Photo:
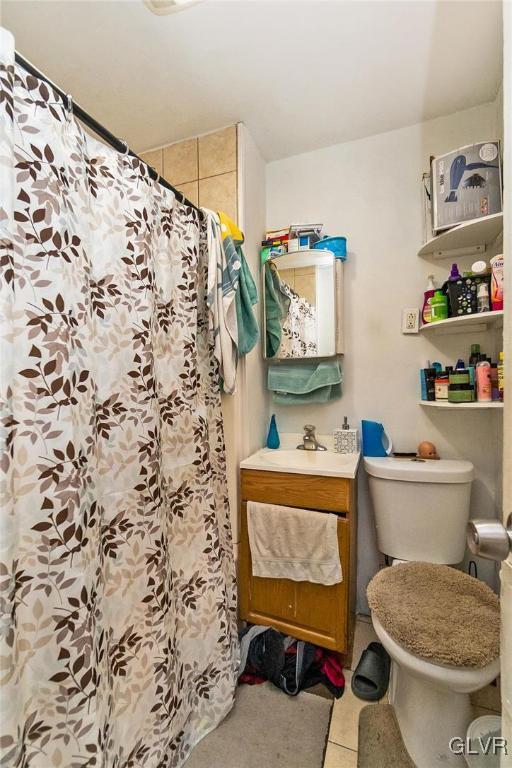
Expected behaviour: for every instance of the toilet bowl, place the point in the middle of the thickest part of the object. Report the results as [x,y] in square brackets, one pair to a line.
[441,630]
[421,511]
[431,702]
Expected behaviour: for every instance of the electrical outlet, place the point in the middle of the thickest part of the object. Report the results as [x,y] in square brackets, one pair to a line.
[410,320]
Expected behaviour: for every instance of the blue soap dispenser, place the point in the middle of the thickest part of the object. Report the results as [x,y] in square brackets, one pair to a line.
[273,435]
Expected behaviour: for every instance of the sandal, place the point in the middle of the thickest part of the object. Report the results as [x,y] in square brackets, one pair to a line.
[371,676]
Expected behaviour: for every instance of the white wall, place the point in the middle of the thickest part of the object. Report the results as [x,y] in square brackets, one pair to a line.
[369,190]
[253,213]
[245,412]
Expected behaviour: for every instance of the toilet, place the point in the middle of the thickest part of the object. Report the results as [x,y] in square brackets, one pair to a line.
[442,648]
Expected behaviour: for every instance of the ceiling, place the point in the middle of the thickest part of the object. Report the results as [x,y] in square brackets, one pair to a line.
[300,74]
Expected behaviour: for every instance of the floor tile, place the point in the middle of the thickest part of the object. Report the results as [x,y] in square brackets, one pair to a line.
[339,757]
[345,717]
[488,697]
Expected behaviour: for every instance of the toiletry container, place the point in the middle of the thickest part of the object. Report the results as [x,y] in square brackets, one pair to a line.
[441,386]
[495,388]
[482,298]
[460,388]
[428,383]
[273,435]
[483,382]
[438,306]
[346,440]
[501,378]
[497,282]
[463,293]
[426,312]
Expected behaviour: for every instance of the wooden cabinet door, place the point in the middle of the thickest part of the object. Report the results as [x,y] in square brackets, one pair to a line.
[322,610]
[261,601]
[312,612]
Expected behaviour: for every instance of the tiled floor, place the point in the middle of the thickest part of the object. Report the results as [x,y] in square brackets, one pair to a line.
[342,746]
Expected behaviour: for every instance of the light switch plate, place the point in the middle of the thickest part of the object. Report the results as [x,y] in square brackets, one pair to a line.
[410,320]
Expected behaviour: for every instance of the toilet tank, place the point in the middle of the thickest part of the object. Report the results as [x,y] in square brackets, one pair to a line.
[421,507]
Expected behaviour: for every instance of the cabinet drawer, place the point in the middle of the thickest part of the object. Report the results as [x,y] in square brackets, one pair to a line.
[293,490]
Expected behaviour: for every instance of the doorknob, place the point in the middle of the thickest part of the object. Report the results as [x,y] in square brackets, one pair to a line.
[490,539]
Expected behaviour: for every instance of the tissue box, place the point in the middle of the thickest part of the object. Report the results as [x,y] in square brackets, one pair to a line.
[346,441]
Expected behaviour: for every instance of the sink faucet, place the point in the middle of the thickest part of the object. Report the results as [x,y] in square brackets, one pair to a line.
[309,441]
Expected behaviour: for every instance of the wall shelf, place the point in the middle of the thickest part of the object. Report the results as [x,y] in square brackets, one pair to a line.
[492,406]
[473,323]
[468,239]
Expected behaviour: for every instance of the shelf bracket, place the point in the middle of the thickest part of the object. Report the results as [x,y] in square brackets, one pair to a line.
[473,328]
[457,253]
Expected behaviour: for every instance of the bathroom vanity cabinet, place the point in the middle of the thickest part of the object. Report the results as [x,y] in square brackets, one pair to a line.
[323,615]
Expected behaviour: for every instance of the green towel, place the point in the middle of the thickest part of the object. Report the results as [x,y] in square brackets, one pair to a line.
[240,279]
[246,297]
[276,309]
[302,383]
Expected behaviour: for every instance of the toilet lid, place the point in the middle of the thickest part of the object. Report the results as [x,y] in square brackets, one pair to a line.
[438,613]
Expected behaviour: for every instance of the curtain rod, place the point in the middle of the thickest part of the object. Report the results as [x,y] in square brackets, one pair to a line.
[104,133]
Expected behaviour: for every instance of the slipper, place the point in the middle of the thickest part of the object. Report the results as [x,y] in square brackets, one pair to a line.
[371,676]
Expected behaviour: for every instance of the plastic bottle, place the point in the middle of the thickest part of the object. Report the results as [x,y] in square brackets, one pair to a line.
[426,312]
[497,282]
[439,306]
[454,273]
[495,392]
[483,298]
[478,268]
[501,378]
[475,354]
[273,435]
[483,382]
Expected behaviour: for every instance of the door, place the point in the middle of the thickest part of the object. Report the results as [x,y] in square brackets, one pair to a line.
[506,569]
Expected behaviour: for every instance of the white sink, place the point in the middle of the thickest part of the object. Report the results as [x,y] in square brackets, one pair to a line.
[312,460]
[292,460]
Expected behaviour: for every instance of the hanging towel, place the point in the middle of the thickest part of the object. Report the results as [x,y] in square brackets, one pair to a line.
[291,543]
[300,383]
[246,295]
[277,303]
[223,278]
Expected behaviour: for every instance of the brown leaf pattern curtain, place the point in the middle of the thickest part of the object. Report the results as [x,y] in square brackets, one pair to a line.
[119,643]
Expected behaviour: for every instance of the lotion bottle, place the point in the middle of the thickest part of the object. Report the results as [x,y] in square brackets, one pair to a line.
[426,312]
[483,382]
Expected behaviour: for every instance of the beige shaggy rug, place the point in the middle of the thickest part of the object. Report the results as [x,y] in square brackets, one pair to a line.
[438,613]
[380,742]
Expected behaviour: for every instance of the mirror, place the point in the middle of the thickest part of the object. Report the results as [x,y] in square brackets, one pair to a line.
[299,291]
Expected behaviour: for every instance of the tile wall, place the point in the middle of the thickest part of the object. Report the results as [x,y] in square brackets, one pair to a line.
[203,168]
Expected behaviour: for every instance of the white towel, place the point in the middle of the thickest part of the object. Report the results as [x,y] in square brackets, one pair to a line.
[222,285]
[291,543]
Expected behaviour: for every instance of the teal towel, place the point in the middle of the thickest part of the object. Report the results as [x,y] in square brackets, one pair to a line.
[276,309]
[246,297]
[302,383]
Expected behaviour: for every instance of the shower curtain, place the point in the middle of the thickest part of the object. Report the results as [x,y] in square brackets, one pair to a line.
[118,624]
